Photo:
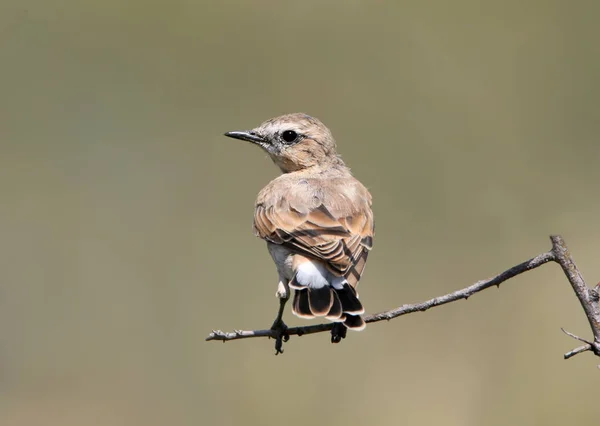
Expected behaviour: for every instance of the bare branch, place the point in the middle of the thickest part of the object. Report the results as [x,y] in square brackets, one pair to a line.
[402,310]
[577,351]
[588,297]
[467,292]
[559,254]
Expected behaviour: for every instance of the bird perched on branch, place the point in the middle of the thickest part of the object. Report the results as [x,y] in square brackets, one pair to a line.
[317,221]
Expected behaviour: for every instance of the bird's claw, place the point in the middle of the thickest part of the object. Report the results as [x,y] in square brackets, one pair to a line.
[281,335]
[338,332]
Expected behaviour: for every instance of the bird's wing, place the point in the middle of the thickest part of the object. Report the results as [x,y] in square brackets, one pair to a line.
[341,239]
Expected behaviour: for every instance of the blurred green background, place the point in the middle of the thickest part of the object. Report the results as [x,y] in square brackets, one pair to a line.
[126,215]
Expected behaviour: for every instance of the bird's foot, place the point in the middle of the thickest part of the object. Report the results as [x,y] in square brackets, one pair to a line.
[281,335]
[338,332]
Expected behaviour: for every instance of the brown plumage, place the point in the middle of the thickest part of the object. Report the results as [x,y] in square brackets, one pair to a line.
[316,218]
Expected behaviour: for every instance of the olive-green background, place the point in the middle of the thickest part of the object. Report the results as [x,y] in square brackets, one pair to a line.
[125,215]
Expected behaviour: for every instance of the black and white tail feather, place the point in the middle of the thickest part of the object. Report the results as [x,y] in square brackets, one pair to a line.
[337,302]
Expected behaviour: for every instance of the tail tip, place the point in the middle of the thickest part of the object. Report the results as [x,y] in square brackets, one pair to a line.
[355,322]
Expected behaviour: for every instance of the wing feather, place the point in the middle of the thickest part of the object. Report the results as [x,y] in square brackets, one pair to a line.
[340,237]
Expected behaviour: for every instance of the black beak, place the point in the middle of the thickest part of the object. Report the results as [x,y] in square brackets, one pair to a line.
[250,136]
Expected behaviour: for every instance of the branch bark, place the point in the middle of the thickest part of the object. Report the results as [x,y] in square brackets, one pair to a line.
[588,298]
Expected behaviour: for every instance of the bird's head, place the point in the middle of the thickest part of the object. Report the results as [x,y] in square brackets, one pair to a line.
[294,142]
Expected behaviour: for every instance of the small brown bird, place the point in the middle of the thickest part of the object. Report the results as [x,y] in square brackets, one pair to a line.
[317,221]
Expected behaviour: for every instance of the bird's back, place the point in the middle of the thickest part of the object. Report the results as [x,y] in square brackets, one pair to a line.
[326,216]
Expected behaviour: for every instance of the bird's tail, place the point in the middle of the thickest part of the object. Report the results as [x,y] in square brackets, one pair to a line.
[338,305]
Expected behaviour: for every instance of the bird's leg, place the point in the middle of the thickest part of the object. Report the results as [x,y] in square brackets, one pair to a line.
[278,323]
[283,293]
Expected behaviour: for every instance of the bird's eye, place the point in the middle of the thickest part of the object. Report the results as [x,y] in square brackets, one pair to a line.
[289,136]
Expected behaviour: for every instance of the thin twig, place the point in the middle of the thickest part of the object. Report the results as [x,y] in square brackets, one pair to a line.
[576,337]
[559,254]
[577,351]
[584,348]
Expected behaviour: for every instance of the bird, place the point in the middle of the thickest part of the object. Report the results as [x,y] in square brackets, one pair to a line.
[316,219]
